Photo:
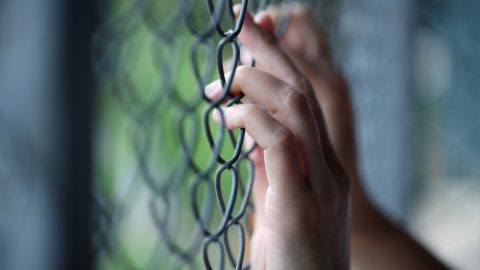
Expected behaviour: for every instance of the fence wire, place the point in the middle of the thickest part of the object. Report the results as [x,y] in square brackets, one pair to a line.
[158,202]
[188,182]
[199,176]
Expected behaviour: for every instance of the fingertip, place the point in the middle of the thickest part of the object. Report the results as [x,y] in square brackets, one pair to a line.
[225,115]
[212,90]
[237,10]
[258,30]
[265,21]
[275,13]
[216,115]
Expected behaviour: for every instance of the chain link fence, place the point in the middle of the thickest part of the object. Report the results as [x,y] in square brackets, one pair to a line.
[172,188]
[155,59]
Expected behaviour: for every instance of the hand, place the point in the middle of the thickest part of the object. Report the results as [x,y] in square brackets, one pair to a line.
[301,191]
[376,242]
[304,42]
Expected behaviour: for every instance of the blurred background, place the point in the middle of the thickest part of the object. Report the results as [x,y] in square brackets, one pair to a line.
[91,97]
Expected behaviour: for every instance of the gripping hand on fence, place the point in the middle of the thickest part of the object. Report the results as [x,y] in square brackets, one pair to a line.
[297,109]
[301,191]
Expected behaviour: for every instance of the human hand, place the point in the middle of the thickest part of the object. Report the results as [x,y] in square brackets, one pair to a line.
[373,235]
[304,41]
[301,191]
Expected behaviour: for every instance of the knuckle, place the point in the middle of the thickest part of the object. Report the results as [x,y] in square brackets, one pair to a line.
[302,83]
[282,136]
[295,99]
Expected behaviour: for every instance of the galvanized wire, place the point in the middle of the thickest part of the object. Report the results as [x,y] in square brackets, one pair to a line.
[210,242]
[164,187]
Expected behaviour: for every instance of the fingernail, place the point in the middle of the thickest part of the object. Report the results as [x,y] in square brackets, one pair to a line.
[212,88]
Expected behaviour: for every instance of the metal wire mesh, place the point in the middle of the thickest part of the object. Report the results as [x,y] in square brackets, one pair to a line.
[171,131]
[188,183]
[198,175]
[137,115]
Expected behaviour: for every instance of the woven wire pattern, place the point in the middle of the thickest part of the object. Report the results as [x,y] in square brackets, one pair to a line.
[198,175]
[188,182]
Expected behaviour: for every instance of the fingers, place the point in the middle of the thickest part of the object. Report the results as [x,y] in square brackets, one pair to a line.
[289,107]
[304,41]
[281,99]
[271,58]
[282,159]
[265,21]
[262,44]
[296,107]
[284,102]
[260,182]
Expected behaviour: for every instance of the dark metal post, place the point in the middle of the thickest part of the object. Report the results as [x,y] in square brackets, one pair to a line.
[76,96]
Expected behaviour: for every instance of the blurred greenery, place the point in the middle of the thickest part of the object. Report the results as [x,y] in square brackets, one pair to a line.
[135,240]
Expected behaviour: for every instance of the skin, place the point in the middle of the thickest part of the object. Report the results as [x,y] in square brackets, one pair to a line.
[297,109]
